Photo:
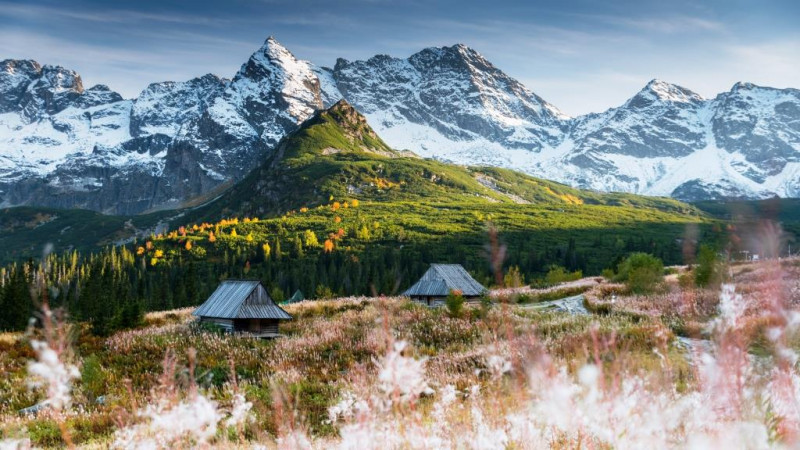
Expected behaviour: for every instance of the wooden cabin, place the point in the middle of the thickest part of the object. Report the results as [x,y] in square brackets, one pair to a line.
[243,306]
[441,279]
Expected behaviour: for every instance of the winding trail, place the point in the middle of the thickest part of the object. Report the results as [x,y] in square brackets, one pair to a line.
[572,305]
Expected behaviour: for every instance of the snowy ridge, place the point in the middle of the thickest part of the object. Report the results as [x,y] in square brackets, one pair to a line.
[66,146]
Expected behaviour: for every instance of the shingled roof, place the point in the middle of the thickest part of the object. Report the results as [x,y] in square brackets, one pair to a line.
[229,302]
[441,279]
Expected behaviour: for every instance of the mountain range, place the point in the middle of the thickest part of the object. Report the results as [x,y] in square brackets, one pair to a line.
[181,143]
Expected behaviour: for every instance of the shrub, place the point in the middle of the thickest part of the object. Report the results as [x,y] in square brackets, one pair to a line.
[93,377]
[558,274]
[455,303]
[641,272]
[486,304]
[277,295]
[323,292]
[513,278]
[708,268]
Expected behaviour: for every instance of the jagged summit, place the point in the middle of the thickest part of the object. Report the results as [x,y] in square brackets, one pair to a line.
[661,90]
[345,115]
[742,86]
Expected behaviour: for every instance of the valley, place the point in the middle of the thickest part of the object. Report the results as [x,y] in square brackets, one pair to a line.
[414,252]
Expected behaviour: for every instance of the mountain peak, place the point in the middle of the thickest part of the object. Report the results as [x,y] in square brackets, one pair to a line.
[659,90]
[13,66]
[274,49]
[352,123]
[347,117]
[271,53]
[743,86]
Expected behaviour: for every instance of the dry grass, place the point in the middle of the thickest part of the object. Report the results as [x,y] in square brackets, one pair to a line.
[504,377]
[9,338]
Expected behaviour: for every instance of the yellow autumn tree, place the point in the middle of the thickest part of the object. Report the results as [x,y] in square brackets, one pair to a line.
[310,239]
[363,233]
[249,237]
[159,254]
[234,233]
[140,251]
[335,206]
[188,245]
[328,246]
[267,250]
[337,219]
[211,237]
[354,203]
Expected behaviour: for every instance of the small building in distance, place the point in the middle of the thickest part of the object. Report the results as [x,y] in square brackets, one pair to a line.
[441,279]
[296,297]
[243,306]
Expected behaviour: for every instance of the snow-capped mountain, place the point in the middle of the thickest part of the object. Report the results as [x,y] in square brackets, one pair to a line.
[452,94]
[66,146]
[63,145]
[667,140]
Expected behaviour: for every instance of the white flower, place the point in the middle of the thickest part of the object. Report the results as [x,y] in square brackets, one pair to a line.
[196,419]
[498,365]
[295,440]
[402,376]
[50,372]
[15,444]
[348,406]
[240,413]
[732,308]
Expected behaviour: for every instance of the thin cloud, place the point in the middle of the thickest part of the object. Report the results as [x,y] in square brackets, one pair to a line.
[668,24]
[105,16]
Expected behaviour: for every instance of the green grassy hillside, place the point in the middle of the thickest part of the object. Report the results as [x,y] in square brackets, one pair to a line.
[337,155]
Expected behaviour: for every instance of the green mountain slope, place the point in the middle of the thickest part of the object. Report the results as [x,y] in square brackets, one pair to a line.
[335,211]
[337,155]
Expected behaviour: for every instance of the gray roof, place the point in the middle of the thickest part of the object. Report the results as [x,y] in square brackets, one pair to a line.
[228,302]
[440,279]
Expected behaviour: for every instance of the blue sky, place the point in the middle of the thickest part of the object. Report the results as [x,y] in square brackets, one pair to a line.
[578,55]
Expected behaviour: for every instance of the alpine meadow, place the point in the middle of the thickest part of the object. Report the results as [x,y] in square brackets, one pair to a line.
[399,252]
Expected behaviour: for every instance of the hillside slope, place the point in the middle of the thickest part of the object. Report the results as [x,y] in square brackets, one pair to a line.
[336,154]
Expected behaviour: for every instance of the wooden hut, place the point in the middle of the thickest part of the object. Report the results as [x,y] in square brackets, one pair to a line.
[441,279]
[243,306]
[297,297]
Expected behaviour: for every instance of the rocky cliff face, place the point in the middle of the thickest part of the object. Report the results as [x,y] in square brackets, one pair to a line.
[66,146]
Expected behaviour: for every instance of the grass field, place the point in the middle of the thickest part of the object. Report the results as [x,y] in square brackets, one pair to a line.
[367,372]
